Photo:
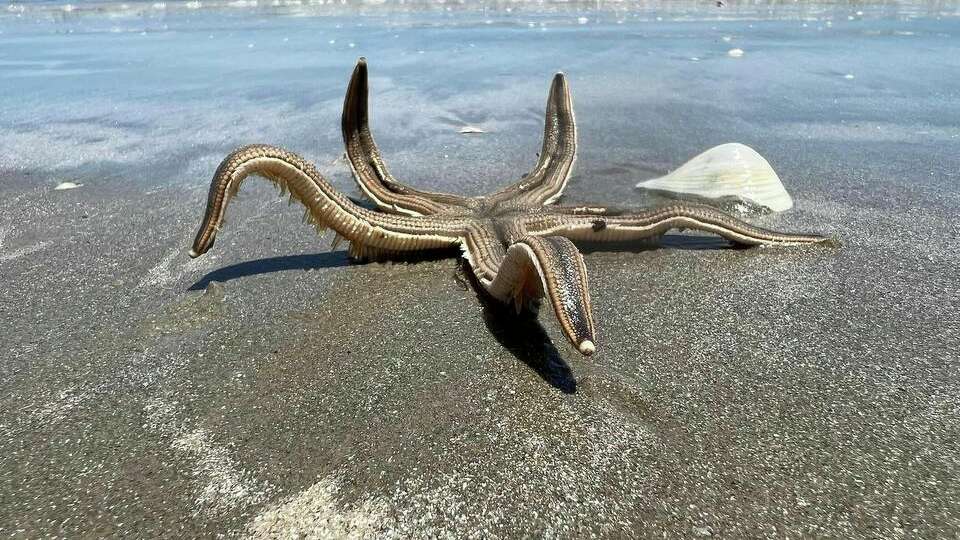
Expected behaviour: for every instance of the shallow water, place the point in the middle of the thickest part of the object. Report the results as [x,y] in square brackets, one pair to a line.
[144,93]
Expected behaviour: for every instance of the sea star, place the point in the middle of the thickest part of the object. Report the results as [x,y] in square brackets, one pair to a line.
[518,243]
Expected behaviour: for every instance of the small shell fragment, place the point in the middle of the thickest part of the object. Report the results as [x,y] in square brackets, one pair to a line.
[735,53]
[730,170]
[466,130]
[66,185]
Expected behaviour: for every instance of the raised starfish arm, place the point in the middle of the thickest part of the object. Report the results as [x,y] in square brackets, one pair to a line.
[545,183]
[600,224]
[368,231]
[368,167]
[530,269]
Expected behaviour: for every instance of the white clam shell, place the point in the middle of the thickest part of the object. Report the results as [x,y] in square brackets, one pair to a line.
[67,185]
[728,170]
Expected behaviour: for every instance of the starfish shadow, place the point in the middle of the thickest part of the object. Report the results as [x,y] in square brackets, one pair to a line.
[668,241]
[332,259]
[524,336]
[521,334]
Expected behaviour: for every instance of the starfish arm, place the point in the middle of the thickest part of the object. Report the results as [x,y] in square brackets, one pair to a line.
[368,231]
[532,268]
[368,167]
[546,182]
[484,250]
[601,224]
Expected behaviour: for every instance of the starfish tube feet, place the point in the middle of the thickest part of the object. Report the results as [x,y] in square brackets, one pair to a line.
[325,206]
[262,160]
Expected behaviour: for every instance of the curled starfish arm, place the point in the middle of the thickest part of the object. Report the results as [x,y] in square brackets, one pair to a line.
[601,224]
[368,231]
[532,268]
[368,166]
[546,182]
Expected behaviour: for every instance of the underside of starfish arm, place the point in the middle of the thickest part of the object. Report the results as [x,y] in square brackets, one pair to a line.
[368,231]
[532,268]
[600,224]
[368,167]
[546,182]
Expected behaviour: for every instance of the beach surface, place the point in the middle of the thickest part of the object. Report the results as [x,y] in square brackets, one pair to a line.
[273,388]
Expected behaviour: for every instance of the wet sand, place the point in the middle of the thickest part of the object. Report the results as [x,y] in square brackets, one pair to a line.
[274,386]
